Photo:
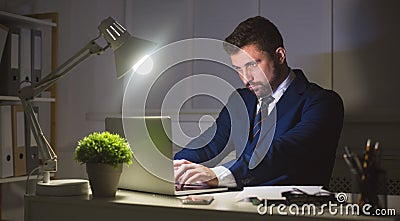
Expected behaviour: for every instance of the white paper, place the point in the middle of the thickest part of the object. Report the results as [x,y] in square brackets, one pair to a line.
[274,192]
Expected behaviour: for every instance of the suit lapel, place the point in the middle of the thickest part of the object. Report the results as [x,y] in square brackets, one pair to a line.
[292,94]
[259,147]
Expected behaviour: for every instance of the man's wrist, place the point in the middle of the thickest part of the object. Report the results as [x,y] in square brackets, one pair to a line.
[224,176]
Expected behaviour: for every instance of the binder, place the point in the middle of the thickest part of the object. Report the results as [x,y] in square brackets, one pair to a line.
[3,38]
[25,51]
[6,148]
[36,56]
[10,64]
[18,126]
[32,154]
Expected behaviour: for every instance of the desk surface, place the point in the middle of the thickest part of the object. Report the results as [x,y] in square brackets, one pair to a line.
[129,204]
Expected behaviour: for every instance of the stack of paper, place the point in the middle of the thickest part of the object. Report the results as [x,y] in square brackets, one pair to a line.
[274,192]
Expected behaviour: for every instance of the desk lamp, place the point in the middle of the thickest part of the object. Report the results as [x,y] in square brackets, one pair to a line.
[128,51]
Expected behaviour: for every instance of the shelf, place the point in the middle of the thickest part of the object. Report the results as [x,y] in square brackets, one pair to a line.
[38,99]
[14,179]
[47,23]
[20,178]
[7,17]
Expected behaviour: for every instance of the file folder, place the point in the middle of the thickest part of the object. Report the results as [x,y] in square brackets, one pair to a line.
[6,148]
[25,51]
[36,56]
[10,64]
[18,126]
[3,38]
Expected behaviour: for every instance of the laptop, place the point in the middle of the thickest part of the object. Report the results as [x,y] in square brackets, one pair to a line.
[152,169]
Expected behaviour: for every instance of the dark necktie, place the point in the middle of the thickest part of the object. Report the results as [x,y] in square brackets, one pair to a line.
[255,130]
[261,116]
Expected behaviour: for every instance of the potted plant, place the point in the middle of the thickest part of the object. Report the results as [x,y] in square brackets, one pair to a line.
[103,153]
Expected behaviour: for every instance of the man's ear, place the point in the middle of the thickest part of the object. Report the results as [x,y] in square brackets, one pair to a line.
[280,53]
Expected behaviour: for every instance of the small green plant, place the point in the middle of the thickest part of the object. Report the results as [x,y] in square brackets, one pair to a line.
[103,147]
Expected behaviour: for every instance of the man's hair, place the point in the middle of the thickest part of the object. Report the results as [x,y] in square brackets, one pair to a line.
[257,30]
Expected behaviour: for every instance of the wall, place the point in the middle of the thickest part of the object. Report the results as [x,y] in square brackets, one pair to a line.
[348,46]
[364,58]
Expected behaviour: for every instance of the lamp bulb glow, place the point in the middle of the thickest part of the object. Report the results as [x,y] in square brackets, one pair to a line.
[144,65]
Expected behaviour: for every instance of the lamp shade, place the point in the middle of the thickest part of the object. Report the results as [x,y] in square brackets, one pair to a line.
[128,50]
[131,52]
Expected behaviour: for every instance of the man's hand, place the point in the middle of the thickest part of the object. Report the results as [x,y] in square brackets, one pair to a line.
[187,172]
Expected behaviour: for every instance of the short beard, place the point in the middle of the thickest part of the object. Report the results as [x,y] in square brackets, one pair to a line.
[278,75]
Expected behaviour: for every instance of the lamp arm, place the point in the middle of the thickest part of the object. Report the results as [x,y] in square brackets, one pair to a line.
[28,93]
[90,49]
[48,155]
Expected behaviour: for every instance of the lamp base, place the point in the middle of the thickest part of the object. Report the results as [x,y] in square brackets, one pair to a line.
[63,187]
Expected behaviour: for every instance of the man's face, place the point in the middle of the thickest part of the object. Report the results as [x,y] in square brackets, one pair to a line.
[256,69]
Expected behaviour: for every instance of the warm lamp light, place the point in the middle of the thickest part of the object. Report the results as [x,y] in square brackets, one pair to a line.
[128,50]
[123,44]
[143,66]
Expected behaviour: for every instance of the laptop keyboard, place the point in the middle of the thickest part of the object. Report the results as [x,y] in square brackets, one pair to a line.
[181,187]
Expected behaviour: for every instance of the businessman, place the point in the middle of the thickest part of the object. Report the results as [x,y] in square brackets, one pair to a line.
[300,147]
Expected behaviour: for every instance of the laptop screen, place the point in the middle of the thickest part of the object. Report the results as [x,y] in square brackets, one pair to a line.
[152,169]
[149,139]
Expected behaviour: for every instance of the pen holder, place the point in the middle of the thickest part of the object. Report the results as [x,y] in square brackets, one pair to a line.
[370,188]
[355,187]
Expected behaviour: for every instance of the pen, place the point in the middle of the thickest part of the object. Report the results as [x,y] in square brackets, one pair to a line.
[367,155]
[377,154]
[358,163]
[376,146]
[347,150]
[351,164]
[352,160]
[368,146]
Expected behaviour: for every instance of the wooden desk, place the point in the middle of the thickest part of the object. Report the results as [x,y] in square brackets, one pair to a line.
[129,205]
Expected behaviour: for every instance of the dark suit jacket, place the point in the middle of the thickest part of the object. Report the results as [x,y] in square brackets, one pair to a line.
[303,143]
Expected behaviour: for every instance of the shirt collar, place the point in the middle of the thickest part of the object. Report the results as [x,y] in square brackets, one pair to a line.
[286,83]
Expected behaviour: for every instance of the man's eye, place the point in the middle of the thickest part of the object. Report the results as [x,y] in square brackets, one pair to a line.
[253,64]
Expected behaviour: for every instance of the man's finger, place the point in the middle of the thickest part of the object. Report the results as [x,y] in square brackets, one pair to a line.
[203,175]
[178,163]
[188,175]
[182,169]
[197,177]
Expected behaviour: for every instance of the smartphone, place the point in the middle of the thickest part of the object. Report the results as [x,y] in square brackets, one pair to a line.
[197,200]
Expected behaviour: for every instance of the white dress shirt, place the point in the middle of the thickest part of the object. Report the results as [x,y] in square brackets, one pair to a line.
[224,175]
